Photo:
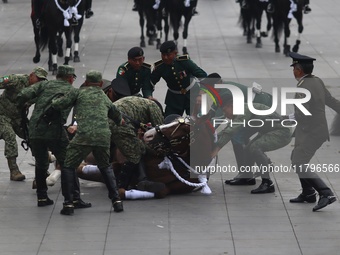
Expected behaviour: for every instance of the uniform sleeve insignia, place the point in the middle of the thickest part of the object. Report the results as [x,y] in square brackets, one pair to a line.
[158,63]
[147,65]
[121,71]
[183,57]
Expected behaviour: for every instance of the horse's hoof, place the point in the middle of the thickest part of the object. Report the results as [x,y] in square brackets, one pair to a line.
[258,45]
[36,59]
[54,69]
[158,46]
[142,44]
[76,59]
[277,49]
[67,59]
[60,53]
[295,48]
[185,50]
[264,34]
[150,42]
[249,41]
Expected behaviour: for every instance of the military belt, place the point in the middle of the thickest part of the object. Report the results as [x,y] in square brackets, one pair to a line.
[183,91]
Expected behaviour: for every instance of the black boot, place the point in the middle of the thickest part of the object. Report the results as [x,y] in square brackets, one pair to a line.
[110,182]
[40,177]
[77,201]
[126,174]
[144,184]
[267,186]
[67,187]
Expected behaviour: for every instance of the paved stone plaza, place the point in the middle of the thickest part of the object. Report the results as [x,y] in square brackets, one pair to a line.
[231,220]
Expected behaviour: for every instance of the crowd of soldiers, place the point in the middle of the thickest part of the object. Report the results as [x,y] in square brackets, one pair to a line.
[98,123]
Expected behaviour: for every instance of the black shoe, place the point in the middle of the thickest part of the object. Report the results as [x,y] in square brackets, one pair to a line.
[270,8]
[67,209]
[134,8]
[79,203]
[117,205]
[44,202]
[89,13]
[311,198]
[307,9]
[265,187]
[150,186]
[323,202]
[241,181]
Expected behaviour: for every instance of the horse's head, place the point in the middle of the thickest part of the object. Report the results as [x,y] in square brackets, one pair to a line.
[184,137]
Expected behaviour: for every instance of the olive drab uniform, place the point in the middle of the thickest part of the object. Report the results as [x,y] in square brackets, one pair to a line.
[11,119]
[92,109]
[179,77]
[46,135]
[138,80]
[125,137]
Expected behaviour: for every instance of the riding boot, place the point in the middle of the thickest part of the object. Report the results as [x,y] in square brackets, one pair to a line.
[15,175]
[67,187]
[144,184]
[126,174]
[110,182]
[77,201]
[40,178]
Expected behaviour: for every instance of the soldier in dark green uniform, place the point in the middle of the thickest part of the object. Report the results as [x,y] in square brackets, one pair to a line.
[47,132]
[92,108]
[11,118]
[241,138]
[311,131]
[178,72]
[137,73]
[270,136]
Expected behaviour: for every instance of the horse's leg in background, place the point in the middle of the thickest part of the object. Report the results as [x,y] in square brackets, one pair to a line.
[175,20]
[187,18]
[150,25]
[299,17]
[286,45]
[160,16]
[68,36]
[258,19]
[60,44]
[141,24]
[52,47]
[76,38]
[36,58]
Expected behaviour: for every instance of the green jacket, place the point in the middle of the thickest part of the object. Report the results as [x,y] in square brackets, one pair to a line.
[227,133]
[92,109]
[43,93]
[137,79]
[12,85]
[178,76]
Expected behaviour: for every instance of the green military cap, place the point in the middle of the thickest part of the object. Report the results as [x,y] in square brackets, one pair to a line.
[40,72]
[65,70]
[168,47]
[300,59]
[135,52]
[94,76]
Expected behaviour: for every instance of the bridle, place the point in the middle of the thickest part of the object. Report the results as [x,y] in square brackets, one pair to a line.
[166,144]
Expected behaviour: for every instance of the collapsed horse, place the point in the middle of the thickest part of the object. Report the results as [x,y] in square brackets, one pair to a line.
[60,17]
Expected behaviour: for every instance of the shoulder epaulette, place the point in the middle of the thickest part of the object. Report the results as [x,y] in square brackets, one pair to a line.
[158,63]
[183,57]
[147,65]
[127,66]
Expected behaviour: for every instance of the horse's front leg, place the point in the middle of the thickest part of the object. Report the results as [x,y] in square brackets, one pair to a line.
[36,58]
[52,46]
[68,35]
[298,17]
[185,31]
[141,24]
[76,38]
[286,45]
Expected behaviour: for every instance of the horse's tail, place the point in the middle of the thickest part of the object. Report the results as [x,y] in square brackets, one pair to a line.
[43,38]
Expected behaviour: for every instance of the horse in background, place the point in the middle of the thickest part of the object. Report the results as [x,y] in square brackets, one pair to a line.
[147,12]
[162,15]
[178,9]
[54,22]
[285,10]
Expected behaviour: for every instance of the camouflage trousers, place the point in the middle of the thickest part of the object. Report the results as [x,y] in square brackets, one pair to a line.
[8,135]
[76,153]
[128,143]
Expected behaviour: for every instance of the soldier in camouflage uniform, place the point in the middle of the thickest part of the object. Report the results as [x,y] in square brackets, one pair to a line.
[270,136]
[11,119]
[47,132]
[178,72]
[241,138]
[92,108]
[137,73]
[137,111]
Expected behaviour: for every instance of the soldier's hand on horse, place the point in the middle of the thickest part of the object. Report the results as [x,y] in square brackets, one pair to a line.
[72,129]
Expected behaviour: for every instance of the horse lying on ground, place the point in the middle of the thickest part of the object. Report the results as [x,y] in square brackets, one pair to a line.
[181,146]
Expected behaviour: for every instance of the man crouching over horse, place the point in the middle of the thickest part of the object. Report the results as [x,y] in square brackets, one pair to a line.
[137,112]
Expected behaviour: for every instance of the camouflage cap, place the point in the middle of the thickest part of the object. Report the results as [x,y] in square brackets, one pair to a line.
[65,70]
[94,76]
[40,72]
